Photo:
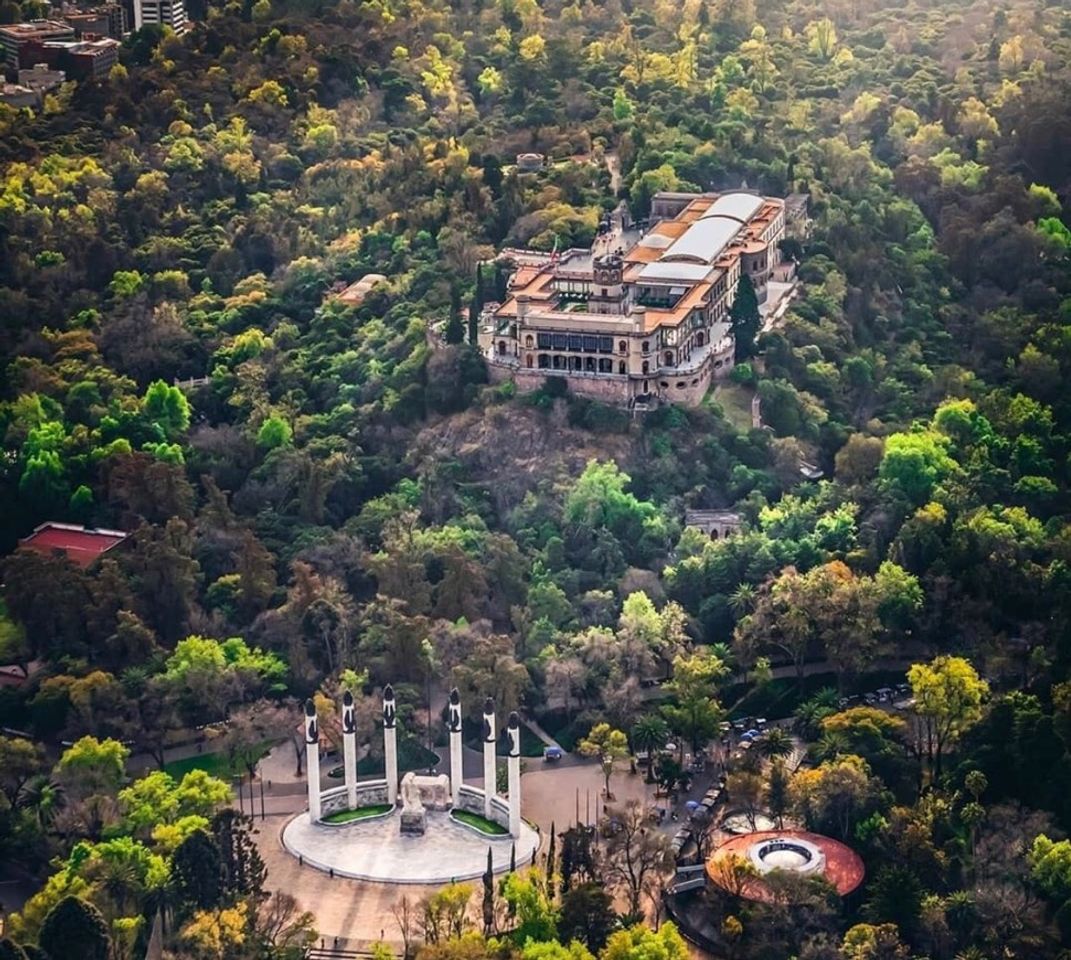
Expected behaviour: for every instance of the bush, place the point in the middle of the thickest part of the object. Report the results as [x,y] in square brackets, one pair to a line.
[75,928]
[597,417]
[744,373]
[555,387]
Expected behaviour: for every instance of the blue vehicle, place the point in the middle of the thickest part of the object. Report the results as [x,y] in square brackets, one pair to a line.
[552,753]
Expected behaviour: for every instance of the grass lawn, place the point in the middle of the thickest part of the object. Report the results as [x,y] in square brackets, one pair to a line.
[735,401]
[361,813]
[477,822]
[217,764]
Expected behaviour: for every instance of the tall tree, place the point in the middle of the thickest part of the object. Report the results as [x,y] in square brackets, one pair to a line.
[744,317]
[636,855]
[587,914]
[75,928]
[489,896]
[475,306]
[948,699]
[244,872]
[455,329]
[19,761]
[608,745]
[197,872]
[650,734]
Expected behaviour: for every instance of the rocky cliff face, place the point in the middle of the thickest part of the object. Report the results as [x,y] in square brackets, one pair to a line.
[512,449]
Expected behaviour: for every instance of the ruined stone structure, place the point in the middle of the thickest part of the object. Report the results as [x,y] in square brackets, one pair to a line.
[716,524]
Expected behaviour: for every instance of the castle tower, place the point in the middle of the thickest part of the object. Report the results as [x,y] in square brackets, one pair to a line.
[607,285]
[457,774]
[312,759]
[513,728]
[349,748]
[489,773]
[390,744]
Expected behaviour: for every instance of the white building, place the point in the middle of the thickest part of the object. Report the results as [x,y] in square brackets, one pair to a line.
[168,13]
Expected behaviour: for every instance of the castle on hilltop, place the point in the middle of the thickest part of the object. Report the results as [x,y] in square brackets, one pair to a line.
[641,317]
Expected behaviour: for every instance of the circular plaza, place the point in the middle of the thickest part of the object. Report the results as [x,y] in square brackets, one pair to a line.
[377,850]
[742,863]
[420,829]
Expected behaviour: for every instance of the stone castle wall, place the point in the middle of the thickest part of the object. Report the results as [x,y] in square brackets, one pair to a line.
[688,389]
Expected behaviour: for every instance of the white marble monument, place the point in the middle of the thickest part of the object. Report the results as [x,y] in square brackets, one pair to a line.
[489,772]
[513,728]
[457,772]
[390,744]
[312,759]
[349,748]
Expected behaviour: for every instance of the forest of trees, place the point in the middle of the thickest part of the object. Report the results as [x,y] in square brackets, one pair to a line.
[345,502]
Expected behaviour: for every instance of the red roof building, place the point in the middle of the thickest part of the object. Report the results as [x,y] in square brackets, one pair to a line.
[81,545]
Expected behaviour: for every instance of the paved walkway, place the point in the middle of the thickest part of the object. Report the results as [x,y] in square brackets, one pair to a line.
[541,733]
[779,296]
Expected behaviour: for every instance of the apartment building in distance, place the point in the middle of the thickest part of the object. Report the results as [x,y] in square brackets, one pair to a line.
[643,321]
[88,59]
[16,37]
[108,20]
[166,13]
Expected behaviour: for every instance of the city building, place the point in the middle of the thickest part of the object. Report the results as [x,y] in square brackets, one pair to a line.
[83,546]
[640,318]
[15,37]
[88,59]
[108,20]
[167,13]
[18,95]
[355,293]
[41,78]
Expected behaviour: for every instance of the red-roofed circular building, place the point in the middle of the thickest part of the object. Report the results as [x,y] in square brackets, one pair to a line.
[741,864]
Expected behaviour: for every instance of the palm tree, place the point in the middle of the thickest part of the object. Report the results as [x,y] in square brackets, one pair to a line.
[45,797]
[725,653]
[810,714]
[831,746]
[776,742]
[742,599]
[119,880]
[650,734]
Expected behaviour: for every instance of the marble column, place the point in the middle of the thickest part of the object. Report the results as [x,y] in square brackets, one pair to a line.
[349,749]
[489,772]
[390,744]
[514,769]
[457,773]
[312,759]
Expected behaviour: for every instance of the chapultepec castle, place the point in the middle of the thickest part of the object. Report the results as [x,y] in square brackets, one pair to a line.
[643,316]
